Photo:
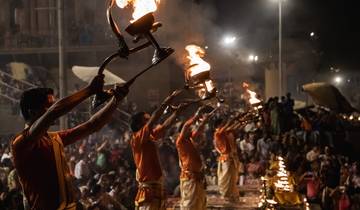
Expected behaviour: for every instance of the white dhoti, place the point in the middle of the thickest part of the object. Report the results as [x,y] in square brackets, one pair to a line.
[155,204]
[227,180]
[193,195]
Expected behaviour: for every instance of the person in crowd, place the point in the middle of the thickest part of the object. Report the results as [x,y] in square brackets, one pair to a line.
[247,145]
[275,115]
[353,186]
[313,154]
[38,154]
[312,183]
[263,147]
[82,169]
[254,168]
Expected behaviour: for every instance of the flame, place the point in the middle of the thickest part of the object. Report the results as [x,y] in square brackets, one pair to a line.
[141,7]
[252,95]
[197,64]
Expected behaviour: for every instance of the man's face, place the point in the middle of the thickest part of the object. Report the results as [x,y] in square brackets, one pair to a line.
[49,102]
[251,136]
[146,118]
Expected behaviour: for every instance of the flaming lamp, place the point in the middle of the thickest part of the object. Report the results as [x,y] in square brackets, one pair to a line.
[197,75]
[141,27]
[252,96]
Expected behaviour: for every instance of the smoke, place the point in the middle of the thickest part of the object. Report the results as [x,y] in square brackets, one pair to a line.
[184,23]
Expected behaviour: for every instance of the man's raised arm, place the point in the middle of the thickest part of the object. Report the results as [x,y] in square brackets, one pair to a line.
[63,106]
[185,130]
[200,128]
[97,121]
[160,111]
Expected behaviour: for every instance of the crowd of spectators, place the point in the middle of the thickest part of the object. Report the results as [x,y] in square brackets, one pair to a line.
[104,173]
[313,145]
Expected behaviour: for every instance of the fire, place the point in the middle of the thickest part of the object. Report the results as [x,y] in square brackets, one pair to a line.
[252,95]
[197,64]
[141,7]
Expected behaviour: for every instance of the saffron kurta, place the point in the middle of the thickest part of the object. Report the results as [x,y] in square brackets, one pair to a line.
[43,171]
[192,186]
[227,164]
[148,174]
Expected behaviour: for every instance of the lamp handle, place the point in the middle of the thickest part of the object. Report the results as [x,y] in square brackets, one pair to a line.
[123,47]
[107,61]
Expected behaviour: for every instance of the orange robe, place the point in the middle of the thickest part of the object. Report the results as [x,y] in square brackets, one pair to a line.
[148,173]
[192,186]
[222,145]
[227,173]
[43,173]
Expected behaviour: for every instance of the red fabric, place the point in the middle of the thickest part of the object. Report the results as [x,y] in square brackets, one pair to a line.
[312,188]
[344,203]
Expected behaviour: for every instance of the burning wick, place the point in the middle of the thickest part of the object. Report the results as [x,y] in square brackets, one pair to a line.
[253,99]
[197,65]
[141,7]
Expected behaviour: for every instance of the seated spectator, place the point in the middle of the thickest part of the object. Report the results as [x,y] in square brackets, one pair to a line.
[313,154]
[253,168]
[246,145]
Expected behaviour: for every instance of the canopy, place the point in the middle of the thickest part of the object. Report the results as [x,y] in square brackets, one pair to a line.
[87,73]
[299,105]
[327,95]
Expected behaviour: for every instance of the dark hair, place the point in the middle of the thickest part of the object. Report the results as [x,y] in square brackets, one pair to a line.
[95,189]
[33,100]
[136,121]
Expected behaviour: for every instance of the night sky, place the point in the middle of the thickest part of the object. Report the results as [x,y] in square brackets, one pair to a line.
[335,22]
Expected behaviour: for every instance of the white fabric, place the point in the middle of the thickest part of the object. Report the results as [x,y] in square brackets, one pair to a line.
[193,195]
[227,180]
[5,156]
[156,204]
[81,170]
[246,146]
[312,155]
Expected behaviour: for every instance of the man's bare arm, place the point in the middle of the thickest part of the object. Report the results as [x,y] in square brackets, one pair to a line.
[63,106]
[96,122]
[185,130]
[200,128]
[172,119]
[160,111]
